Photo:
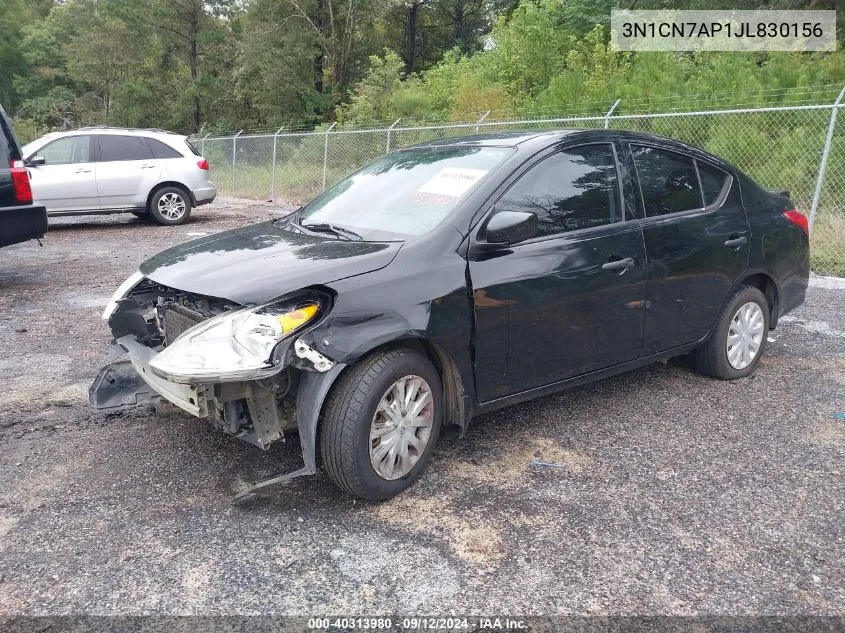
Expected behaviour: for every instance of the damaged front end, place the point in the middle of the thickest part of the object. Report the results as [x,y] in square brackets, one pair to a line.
[250,370]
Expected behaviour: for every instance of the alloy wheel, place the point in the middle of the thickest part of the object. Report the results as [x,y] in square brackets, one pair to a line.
[171,206]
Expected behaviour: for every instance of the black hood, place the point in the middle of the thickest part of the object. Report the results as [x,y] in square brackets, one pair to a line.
[258,263]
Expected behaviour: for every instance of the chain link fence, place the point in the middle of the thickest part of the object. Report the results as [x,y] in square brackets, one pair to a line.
[798,148]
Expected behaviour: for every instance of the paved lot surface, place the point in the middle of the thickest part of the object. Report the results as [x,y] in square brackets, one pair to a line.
[676,493]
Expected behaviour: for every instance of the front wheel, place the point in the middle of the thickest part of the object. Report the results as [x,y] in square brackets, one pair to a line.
[739,338]
[381,423]
[170,206]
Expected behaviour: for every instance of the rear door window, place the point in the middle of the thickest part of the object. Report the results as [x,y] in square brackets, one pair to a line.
[668,181]
[66,151]
[573,189]
[119,148]
[712,181]
[161,150]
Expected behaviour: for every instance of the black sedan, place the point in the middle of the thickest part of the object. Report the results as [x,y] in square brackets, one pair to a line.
[453,278]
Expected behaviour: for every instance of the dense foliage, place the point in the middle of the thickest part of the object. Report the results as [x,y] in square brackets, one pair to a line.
[192,65]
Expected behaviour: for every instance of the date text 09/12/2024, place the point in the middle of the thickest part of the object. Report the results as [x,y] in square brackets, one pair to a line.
[419,623]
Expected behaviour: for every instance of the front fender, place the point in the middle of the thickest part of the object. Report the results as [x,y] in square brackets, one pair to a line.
[313,389]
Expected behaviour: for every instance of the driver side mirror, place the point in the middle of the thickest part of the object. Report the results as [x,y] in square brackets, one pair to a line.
[35,161]
[509,227]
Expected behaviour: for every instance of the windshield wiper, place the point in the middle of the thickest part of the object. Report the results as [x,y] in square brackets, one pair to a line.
[339,231]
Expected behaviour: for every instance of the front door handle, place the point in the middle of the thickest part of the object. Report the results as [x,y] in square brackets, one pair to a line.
[619,264]
[735,242]
[82,170]
[147,166]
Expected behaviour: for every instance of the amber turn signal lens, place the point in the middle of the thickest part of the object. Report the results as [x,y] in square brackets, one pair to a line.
[299,317]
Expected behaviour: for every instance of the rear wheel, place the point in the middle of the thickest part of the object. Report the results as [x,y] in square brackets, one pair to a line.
[739,339]
[170,206]
[381,423]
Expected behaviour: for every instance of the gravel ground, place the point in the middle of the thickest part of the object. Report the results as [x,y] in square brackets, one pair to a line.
[676,494]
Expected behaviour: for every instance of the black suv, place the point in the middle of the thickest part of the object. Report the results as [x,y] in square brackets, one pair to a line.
[20,220]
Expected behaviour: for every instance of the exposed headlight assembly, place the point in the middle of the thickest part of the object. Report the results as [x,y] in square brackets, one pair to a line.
[237,345]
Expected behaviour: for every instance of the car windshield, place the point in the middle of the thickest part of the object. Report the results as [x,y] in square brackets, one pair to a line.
[403,194]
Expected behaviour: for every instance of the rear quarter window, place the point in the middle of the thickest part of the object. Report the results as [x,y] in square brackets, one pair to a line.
[161,150]
[193,148]
[712,182]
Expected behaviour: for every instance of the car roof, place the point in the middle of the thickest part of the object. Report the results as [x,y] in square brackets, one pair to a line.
[101,129]
[545,138]
[123,130]
[499,139]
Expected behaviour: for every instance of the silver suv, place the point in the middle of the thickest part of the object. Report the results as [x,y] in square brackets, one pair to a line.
[151,173]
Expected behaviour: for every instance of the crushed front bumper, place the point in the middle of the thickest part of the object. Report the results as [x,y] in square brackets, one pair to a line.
[131,383]
[252,411]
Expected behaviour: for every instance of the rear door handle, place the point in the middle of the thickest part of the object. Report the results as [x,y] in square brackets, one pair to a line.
[619,264]
[82,170]
[147,166]
[736,241]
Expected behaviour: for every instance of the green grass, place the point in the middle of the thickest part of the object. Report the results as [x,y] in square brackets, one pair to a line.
[827,244]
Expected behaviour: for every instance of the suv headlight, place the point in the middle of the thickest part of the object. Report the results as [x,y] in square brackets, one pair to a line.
[237,345]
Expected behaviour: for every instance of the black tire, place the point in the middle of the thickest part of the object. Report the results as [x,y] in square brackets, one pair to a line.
[170,193]
[712,357]
[348,415]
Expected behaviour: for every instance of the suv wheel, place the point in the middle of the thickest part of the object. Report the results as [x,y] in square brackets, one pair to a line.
[739,339]
[170,206]
[381,423]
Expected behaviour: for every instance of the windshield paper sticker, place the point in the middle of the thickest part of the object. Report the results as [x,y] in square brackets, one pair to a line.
[452,181]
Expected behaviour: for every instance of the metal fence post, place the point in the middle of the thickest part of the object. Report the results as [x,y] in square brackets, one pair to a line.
[202,144]
[825,155]
[234,154]
[273,176]
[609,112]
[481,120]
[326,154]
[389,132]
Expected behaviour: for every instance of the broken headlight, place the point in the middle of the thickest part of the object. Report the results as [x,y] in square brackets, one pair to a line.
[236,345]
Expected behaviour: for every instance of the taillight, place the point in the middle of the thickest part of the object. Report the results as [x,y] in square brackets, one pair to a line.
[798,219]
[20,182]
[202,164]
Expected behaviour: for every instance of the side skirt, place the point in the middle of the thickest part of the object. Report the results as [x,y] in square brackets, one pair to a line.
[58,214]
[537,392]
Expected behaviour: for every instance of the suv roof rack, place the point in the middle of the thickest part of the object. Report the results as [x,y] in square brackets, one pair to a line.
[125,129]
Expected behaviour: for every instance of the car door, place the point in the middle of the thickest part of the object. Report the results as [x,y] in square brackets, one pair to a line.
[696,236]
[568,301]
[66,181]
[126,171]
